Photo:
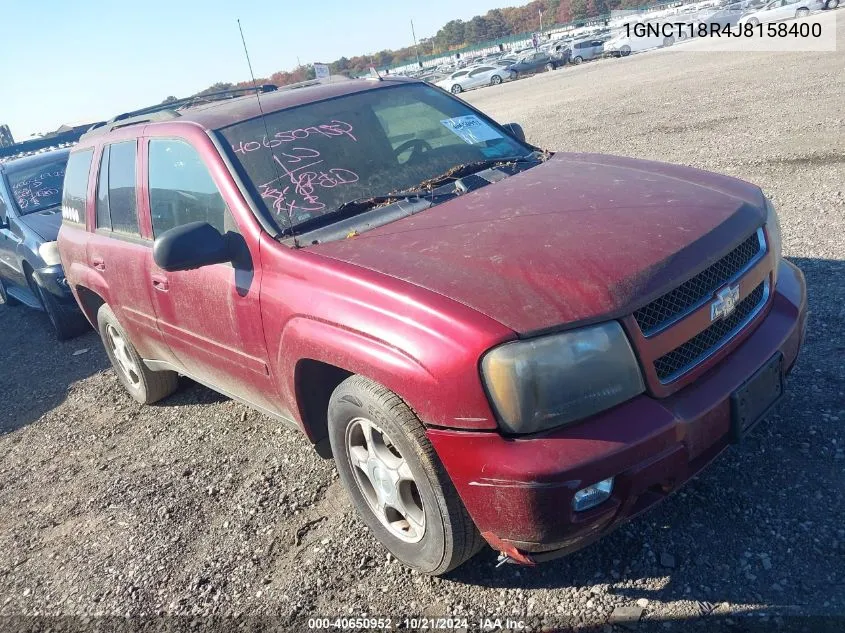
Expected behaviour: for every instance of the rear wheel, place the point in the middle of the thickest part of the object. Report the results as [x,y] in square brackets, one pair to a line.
[625,51]
[668,41]
[5,298]
[495,80]
[578,60]
[457,89]
[831,4]
[801,13]
[143,384]
[550,67]
[753,21]
[395,479]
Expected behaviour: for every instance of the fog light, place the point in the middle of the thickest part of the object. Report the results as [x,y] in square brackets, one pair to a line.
[591,496]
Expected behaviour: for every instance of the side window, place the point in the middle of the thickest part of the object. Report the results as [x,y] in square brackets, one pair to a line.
[75,190]
[103,215]
[182,190]
[122,199]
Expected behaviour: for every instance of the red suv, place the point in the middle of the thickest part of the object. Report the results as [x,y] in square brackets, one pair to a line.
[492,341]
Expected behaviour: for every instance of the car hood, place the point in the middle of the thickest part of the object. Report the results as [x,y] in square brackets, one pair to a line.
[44,223]
[580,238]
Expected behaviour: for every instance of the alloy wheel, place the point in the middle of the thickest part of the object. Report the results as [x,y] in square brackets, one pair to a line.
[120,353]
[385,480]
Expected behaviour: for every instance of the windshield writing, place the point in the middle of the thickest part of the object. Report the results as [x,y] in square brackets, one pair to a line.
[39,187]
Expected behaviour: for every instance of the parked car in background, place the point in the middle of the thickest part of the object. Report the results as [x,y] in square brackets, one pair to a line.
[30,218]
[491,345]
[476,77]
[535,62]
[727,16]
[585,50]
[623,45]
[782,10]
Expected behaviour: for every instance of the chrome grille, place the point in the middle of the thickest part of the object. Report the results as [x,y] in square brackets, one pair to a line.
[683,358]
[693,293]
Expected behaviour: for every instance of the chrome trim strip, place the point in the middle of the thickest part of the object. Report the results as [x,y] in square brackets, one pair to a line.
[727,339]
[682,315]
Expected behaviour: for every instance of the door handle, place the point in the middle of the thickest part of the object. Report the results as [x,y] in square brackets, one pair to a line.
[98,263]
[161,284]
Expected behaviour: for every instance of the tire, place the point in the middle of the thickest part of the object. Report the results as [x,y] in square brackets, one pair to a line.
[578,60]
[5,298]
[495,80]
[144,385]
[668,41]
[456,89]
[65,325]
[802,13]
[831,4]
[753,21]
[550,67]
[625,51]
[435,533]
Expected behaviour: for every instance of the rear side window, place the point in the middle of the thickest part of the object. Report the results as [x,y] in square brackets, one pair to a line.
[122,199]
[75,190]
[103,215]
[182,190]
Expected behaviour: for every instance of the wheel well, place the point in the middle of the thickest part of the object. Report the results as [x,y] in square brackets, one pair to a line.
[90,303]
[28,271]
[315,382]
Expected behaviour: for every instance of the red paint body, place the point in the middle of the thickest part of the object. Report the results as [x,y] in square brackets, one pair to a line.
[416,303]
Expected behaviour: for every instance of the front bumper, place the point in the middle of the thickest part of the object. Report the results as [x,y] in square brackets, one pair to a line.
[519,490]
[52,279]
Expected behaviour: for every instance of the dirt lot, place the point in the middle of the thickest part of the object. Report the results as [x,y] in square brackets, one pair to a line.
[198,506]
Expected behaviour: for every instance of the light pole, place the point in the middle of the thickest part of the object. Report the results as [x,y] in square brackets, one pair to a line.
[540,11]
[416,48]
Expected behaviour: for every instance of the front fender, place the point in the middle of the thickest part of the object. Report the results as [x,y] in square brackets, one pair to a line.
[437,402]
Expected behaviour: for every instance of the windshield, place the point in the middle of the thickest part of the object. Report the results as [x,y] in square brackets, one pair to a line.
[39,187]
[314,158]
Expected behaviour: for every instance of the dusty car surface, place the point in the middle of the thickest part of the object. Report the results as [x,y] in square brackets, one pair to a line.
[30,270]
[495,343]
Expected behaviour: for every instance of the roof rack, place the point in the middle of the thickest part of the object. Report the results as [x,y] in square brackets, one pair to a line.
[169,110]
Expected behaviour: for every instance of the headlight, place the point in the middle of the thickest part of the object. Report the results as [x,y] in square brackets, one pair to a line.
[553,380]
[773,229]
[49,252]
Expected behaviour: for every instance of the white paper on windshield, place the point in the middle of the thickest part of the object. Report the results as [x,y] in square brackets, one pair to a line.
[471,129]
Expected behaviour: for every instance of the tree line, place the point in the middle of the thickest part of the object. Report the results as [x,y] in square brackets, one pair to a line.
[455,35]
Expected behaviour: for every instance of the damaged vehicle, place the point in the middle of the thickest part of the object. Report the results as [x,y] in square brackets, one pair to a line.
[30,271]
[494,342]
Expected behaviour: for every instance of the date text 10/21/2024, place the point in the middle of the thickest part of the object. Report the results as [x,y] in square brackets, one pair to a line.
[418,623]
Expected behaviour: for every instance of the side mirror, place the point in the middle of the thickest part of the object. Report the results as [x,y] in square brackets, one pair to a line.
[4,223]
[516,130]
[190,246]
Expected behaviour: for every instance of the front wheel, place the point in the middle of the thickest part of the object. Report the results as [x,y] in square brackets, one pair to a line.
[66,325]
[495,80]
[668,41]
[831,4]
[457,89]
[550,67]
[802,13]
[577,60]
[625,51]
[143,384]
[395,479]
[753,21]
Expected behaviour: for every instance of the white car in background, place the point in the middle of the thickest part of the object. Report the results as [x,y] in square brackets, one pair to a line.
[623,45]
[475,77]
[782,10]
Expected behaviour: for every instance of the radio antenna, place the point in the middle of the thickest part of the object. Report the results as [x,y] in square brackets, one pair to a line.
[266,129]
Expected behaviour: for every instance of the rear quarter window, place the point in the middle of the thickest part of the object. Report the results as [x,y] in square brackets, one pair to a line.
[75,191]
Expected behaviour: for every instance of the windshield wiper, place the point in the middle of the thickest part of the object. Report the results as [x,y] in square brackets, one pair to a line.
[459,171]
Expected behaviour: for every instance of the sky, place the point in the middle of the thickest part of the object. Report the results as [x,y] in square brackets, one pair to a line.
[87,60]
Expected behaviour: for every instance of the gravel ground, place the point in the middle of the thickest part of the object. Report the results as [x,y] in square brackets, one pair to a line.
[199,506]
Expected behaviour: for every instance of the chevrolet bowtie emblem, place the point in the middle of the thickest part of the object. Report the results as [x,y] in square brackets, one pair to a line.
[725,303]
